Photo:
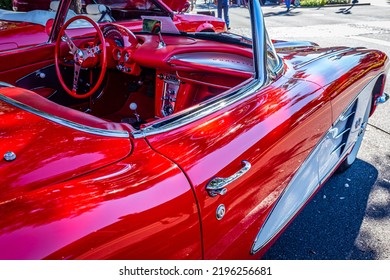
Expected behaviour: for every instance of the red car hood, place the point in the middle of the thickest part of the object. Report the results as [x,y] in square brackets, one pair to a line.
[46,151]
[323,66]
[18,34]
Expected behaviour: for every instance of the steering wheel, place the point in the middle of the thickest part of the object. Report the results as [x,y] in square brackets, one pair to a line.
[84,58]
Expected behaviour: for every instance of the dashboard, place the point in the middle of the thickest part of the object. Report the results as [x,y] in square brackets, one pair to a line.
[187,71]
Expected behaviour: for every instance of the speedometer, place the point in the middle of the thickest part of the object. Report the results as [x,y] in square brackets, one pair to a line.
[113,34]
[118,54]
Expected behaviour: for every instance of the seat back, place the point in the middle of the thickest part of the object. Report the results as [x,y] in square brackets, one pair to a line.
[98,12]
[54,5]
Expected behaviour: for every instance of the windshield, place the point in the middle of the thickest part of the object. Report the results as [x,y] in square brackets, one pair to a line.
[204,21]
[39,12]
[175,65]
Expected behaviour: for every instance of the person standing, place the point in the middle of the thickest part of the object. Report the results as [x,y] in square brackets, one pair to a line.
[288,4]
[223,5]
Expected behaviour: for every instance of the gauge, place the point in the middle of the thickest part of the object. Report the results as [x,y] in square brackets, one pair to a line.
[119,42]
[111,33]
[127,56]
[117,54]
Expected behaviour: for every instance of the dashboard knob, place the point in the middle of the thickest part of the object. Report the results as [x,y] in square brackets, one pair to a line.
[133,106]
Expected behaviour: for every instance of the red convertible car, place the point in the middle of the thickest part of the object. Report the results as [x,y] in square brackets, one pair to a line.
[161,144]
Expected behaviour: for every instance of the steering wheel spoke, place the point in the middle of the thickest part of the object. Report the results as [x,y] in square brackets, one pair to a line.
[76,76]
[72,47]
[93,52]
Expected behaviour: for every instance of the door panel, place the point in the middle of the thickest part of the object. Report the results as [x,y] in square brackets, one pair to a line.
[16,64]
[273,131]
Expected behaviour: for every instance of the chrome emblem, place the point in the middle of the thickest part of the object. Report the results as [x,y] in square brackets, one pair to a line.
[79,57]
[9,156]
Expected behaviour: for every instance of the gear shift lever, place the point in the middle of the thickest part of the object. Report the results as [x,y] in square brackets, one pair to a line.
[133,107]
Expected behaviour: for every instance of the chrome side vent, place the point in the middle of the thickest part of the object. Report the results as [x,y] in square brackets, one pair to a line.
[336,141]
[343,128]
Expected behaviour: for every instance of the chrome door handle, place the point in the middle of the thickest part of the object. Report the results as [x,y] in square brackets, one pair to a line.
[217,185]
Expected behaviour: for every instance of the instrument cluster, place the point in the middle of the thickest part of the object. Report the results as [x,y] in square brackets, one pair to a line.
[122,56]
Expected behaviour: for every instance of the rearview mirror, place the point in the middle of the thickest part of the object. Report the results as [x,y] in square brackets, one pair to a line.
[151,26]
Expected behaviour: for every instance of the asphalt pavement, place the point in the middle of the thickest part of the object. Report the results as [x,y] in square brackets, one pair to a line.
[349,219]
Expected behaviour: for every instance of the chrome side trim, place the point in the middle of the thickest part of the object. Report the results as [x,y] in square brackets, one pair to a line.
[290,201]
[64,122]
[3,84]
[287,45]
[338,148]
[342,133]
[344,118]
[193,114]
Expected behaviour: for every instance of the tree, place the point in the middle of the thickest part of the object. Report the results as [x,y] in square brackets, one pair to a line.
[6,4]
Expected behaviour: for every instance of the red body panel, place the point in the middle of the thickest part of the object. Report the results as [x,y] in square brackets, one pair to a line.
[111,180]
[341,81]
[36,166]
[133,209]
[144,197]
[271,130]
[21,62]
[14,35]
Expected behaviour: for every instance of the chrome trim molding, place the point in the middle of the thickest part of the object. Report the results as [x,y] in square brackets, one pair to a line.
[193,114]
[259,41]
[290,201]
[3,84]
[288,45]
[64,122]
